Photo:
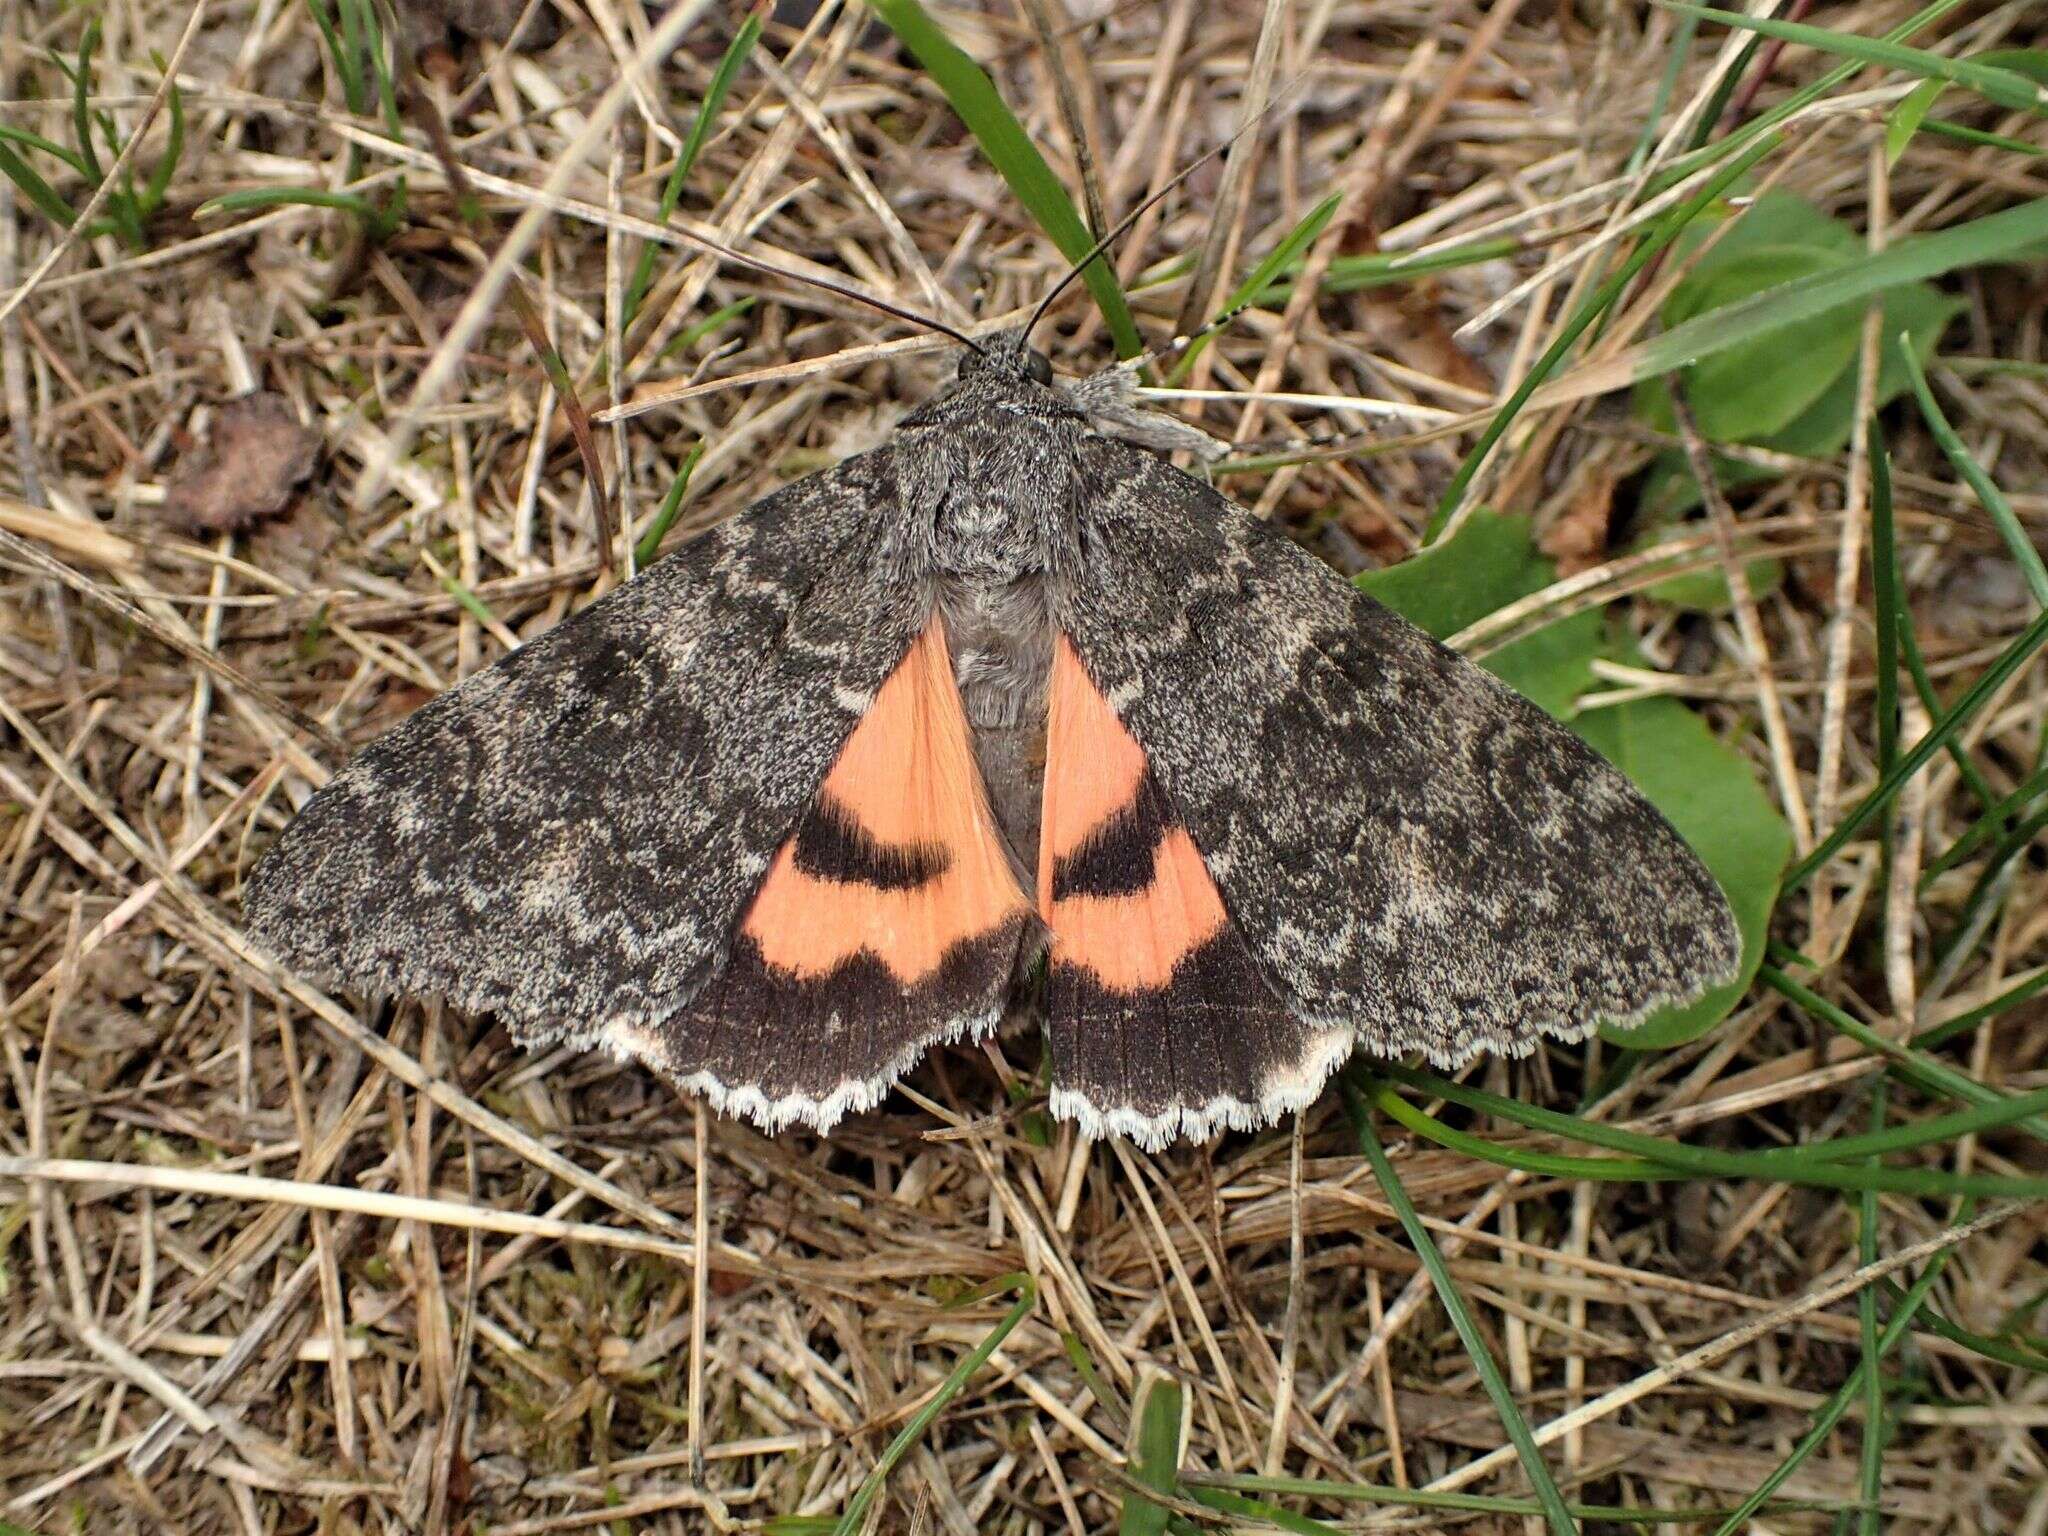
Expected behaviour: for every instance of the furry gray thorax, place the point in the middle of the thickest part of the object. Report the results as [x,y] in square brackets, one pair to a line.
[996,465]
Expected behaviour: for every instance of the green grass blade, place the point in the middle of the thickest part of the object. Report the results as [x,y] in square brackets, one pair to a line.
[671,508]
[697,330]
[1277,261]
[1884,582]
[1010,150]
[722,78]
[467,600]
[1985,888]
[355,54]
[1963,1023]
[2006,87]
[372,29]
[1258,1511]
[1099,1386]
[1026,1290]
[1517,1427]
[1999,236]
[1821,1164]
[1383,269]
[348,62]
[1885,572]
[1466,1503]
[1705,153]
[1551,1165]
[2003,1351]
[1677,56]
[174,150]
[2016,655]
[1964,133]
[1907,1307]
[1156,1464]
[1902,631]
[1870,1465]
[1907,117]
[1910,1061]
[81,103]
[49,147]
[1680,1161]
[34,188]
[257,198]
[1298,239]
[2017,541]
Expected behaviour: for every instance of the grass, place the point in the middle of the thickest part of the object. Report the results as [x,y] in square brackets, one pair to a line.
[1781,1272]
[129,208]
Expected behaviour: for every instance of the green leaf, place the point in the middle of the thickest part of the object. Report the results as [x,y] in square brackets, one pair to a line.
[2012,233]
[1706,790]
[1910,113]
[1010,150]
[1491,562]
[1156,1463]
[1792,390]
[1752,390]
[1920,311]
[1709,793]
[1773,218]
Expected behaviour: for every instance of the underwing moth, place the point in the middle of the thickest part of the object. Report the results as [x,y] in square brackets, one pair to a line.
[1009,707]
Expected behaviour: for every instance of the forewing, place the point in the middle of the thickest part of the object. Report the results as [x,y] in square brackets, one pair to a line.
[570,836]
[1410,848]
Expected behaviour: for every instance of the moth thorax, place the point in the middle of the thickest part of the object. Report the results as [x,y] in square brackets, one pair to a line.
[987,540]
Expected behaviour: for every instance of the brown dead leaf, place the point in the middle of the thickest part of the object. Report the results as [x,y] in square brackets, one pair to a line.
[479,18]
[1577,539]
[1424,340]
[256,457]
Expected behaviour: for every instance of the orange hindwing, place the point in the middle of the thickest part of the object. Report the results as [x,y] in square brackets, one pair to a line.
[1159,1022]
[890,920]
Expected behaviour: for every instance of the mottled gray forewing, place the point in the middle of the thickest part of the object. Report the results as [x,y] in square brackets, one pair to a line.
[570,836]
[1410,847]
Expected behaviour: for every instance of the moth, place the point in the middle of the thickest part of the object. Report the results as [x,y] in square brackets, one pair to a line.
[1008,696]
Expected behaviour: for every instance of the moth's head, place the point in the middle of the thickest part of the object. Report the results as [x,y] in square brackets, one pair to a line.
[1007,355]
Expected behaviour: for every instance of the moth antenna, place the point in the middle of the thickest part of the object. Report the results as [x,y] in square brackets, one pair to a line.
[1175,346]
[1116,233]
[1123,225]
[828,285]
[459,183]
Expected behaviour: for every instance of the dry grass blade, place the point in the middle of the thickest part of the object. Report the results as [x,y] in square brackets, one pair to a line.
[276,1259]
